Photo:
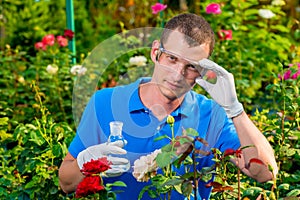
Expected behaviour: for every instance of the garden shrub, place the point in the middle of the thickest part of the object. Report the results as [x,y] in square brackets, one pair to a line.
[36,123]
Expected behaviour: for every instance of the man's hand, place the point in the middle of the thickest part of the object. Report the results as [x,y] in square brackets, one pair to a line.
[104,150]
[223,92]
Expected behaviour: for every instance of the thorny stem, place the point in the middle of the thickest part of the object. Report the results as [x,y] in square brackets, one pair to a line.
[239,178]
[169,170]
[195,175]
[239,184]
[282,117]
[283,113]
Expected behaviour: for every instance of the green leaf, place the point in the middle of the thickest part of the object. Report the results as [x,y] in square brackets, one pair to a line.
[187,188]
[250,12]
[167,148]
[191,132]
[56,150]
[146,188]
[4,135]
[36,138]
[161,137]
[173,182]
[293,193]
[281,28]
[163,159]
[3,121]
[178,188]
[31,184]
[117,183]
[152,193]
[284,186]
[206,177]
[252,192]
[183,140]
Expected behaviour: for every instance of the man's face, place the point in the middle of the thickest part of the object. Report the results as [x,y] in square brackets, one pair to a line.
[175,61]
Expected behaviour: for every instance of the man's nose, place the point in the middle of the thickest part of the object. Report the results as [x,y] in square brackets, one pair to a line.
[180,70]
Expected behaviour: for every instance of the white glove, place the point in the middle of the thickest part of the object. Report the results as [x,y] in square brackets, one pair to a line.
[103,150]
[223,91]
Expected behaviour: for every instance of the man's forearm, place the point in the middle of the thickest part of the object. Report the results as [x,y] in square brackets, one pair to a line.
[69,174]
[262,150]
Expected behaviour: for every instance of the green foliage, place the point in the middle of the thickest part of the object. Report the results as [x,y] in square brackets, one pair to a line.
[30,156]
[19,69]
[37,126]
[27,21]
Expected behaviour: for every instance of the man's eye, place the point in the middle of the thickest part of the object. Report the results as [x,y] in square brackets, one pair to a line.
[191,67]
[172,58]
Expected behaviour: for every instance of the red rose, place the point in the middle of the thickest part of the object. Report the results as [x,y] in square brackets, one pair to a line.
[89,185]
[96,166]
[69,34]
[229,152]
[40,46]
[225,34]
[49,39]
[62,41]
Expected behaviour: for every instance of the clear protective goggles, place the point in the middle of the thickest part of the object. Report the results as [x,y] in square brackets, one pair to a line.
[189,69]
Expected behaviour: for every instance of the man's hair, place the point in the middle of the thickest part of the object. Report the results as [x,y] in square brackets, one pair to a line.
[196,29]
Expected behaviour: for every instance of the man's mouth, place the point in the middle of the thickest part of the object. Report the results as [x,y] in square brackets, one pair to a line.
[173,86]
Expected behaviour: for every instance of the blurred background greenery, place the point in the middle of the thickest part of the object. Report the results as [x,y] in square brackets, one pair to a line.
[36,121]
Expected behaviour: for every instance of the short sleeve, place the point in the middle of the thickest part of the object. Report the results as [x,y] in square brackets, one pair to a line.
[88,131]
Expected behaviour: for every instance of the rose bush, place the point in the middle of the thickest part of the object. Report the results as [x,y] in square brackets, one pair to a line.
[37,126]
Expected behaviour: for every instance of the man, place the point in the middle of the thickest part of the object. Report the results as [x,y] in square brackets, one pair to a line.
[180,59]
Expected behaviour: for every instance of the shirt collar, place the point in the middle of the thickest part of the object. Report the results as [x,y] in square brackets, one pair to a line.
[135,103]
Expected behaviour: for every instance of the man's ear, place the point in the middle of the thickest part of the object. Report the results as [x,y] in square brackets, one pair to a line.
[154,50]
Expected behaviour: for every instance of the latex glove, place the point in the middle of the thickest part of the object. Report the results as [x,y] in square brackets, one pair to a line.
[103,150]
[223,91]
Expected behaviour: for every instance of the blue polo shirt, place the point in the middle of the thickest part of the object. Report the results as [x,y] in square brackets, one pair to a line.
[141,127]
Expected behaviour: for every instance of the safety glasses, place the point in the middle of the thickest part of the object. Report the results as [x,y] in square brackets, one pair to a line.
[188,68]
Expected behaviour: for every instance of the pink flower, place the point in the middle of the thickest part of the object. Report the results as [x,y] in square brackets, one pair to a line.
[295,76]
[288,74]
[40,46]
[158,7]
[62,41]
[69,34]
[213,8]
[49,39]
[225,34]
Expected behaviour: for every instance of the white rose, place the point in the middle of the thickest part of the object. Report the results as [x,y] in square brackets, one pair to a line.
[145,167]
[265,13]
[82,71]
[78,69]
[138,60]
[52,69]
